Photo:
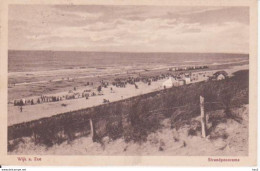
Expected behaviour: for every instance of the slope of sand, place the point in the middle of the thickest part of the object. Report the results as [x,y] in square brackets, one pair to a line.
[228,138]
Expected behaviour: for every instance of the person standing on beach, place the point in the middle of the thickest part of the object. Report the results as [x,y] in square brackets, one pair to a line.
[21,108]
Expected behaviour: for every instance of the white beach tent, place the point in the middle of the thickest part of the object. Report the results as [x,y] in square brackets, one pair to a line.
[168,83]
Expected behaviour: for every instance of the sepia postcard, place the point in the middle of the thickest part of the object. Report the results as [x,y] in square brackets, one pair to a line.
[111,82]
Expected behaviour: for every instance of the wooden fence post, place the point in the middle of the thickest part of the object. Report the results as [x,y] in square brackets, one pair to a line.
[34,137]
[92,130]
[203,118]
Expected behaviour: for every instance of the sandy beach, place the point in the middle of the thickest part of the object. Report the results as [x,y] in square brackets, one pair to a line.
[37,111]
[32,112]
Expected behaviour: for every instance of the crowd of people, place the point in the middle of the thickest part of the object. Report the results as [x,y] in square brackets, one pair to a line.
[74,94]
[44,99]
[122,82]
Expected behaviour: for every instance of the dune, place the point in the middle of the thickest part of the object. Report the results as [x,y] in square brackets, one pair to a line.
[228,138]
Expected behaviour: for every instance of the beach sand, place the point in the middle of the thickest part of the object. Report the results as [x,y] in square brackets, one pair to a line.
[37,111]
[32,112]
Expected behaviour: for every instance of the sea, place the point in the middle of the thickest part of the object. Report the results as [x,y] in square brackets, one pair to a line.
[27,67]
[30,61]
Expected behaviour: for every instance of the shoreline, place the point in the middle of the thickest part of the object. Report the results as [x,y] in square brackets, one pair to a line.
[109,72]
[21,90]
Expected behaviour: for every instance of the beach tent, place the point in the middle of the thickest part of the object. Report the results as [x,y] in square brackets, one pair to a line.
[221,77]
[187,80]
[168,83]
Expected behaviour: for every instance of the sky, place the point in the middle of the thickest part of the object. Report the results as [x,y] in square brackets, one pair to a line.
[128,28]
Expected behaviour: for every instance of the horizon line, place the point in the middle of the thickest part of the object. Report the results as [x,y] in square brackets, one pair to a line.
[127,51]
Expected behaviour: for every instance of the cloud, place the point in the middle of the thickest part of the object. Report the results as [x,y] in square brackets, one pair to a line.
[129,28]
[220,15]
